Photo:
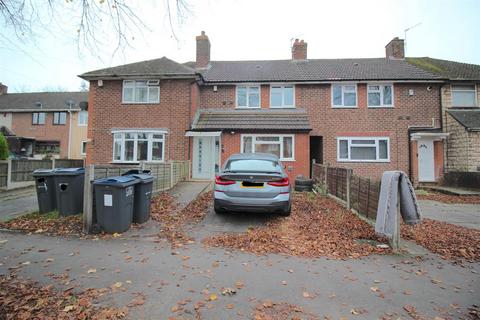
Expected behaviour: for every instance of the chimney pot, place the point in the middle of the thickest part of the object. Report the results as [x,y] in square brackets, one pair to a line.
[395,49]
[203,51]
[299,50]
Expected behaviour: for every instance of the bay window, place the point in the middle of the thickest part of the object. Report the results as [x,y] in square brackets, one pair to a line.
[464,96]
[282,96]
[344,96]
[248,96]
[129,146]
[363,149]
[141,91]
[380,95]
[280,145]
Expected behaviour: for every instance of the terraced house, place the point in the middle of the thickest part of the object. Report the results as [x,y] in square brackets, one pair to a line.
[371,114]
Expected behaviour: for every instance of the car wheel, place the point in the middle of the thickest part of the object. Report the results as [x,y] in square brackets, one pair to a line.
[301,188]
[218,210]
[287,211]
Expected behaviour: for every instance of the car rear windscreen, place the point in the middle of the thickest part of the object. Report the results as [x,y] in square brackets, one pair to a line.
[253,165]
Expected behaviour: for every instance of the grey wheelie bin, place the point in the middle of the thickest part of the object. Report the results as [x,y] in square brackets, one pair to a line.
[45,185]
[143,196]
[69,190]
[114,198]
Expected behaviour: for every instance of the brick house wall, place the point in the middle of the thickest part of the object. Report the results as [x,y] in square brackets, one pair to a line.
[330,123]
[23,127]
[106,111]
[463,147]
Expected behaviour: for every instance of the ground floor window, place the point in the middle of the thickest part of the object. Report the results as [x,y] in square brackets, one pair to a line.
[131,146]
[282,146]
[363,149]
[47,147]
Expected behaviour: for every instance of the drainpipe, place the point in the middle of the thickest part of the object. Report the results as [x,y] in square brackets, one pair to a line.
[69,130]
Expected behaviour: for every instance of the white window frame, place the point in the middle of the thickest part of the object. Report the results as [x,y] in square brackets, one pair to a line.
[282,86]
[248,86]
[464,84]
[58,123]
[281,137]
[150,140]
[84,142]
[343,85]
[81,123]
[155,84]
[381,85]
[38,123]
[376,145]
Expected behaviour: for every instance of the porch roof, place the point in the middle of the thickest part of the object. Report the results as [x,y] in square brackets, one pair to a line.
[469,118]
[259,119]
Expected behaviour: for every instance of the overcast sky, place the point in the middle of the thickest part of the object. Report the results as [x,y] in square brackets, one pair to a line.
[245,30]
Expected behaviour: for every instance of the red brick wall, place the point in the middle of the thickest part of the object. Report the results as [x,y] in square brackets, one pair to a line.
[231,144]
[107,112]
[23,127]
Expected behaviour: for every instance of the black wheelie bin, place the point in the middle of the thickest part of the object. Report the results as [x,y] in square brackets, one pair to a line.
[114,198]
[69,190]
[143,197]
[45,186]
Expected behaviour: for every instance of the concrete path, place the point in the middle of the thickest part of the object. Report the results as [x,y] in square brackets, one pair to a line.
[466,215]
[186,191]
[16,202]
[457,191]
[372,286]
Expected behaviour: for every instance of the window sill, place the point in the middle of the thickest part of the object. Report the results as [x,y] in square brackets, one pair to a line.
[380,107]
[464,107]
[364,161]
[247,108]
[136,162]
[348,107]
[127,103]
[282,107]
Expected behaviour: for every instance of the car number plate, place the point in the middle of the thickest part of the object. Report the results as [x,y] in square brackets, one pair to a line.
[246,184]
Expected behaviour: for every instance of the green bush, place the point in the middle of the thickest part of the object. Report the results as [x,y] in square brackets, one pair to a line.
[3,147]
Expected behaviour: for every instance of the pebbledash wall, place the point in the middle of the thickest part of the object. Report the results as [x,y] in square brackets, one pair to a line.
[172,113]
[418,110]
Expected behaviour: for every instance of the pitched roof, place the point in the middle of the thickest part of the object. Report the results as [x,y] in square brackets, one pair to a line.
[50,101]
[260,119]
[470,119]
[448,69]
[162,67]
[315,70]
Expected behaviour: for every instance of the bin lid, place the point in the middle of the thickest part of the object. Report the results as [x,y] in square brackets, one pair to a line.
[143,177]
[43,172]
[69,171]
[117,181]
[136,171]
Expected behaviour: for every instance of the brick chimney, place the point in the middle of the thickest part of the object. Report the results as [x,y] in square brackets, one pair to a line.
[203,51]
[299,50]
[395,49]
[3,89]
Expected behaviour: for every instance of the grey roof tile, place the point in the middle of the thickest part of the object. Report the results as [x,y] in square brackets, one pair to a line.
[260,119]
[157,67]
[315,70]
[470,119]
[49,101]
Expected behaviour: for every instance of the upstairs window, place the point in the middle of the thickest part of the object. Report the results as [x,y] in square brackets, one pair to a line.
[138,146]
[282,96]
[83,118]
[344,96]
[363,149]
[380,95]
[59,118]
[248,97]
[38,118]
[464,96]
[141,91]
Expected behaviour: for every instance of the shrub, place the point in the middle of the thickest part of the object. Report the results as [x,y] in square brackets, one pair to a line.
[3,147]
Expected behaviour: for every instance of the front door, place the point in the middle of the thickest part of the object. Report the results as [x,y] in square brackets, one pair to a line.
[426,165]
[204,158]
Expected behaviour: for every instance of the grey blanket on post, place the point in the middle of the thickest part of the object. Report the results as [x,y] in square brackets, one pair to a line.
[395,183]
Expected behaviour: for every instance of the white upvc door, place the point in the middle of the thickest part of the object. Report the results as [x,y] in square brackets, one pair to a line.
[426,164]
[203,158]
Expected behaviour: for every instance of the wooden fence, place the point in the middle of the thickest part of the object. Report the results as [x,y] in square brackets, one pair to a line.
[166,175]
[358,193]
[13,170]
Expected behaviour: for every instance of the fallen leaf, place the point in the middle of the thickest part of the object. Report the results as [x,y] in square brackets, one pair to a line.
[92,270]
[212,297]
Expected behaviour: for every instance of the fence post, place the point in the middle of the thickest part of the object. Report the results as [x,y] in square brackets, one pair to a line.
[142,165]
[326,178]
[349,180]
[172,183]
[9,173]
[88,198]
[311,168]
[53,162]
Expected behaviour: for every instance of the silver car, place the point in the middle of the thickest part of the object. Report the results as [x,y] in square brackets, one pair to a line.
[253,182]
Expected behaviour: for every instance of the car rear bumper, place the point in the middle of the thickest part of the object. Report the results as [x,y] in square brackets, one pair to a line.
[276,204]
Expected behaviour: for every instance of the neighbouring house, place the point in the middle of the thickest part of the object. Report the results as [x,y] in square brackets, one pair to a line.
[460,101]
[368,114]
[40,124]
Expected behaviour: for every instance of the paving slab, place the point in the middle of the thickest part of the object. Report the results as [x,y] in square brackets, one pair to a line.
[17,202]
[466,215]
[457,191]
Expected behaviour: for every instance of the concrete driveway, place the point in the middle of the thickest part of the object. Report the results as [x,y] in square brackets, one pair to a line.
[466,215]
[17,202]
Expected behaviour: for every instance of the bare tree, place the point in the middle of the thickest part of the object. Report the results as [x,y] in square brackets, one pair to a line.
[98,22]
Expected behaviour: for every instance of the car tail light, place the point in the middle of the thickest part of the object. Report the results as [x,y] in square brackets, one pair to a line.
[280,183]
[223,182]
